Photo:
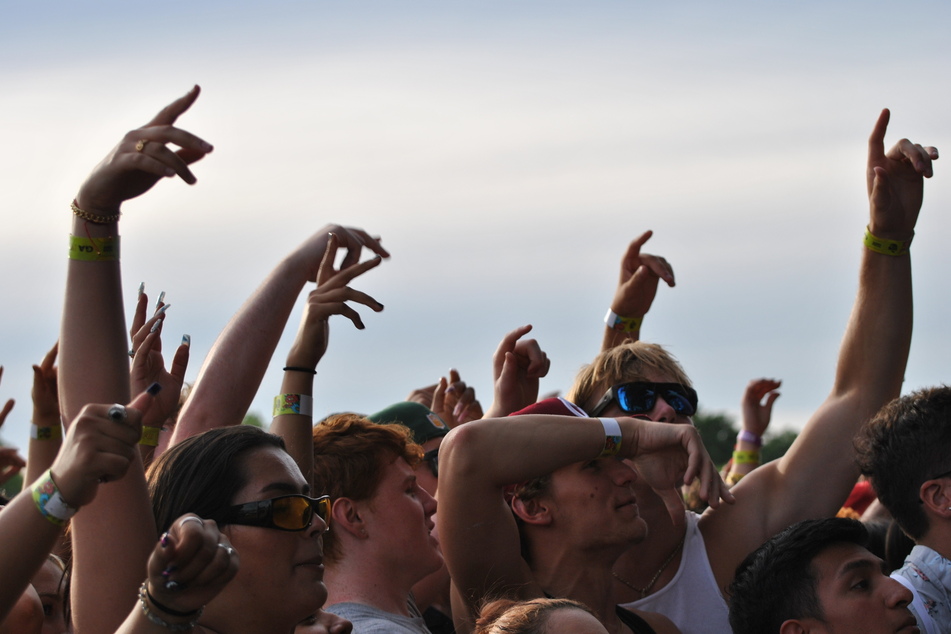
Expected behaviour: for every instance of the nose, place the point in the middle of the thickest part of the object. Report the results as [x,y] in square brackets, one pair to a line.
[317,526]
[622,474]
[662,412]
[429,502]
[896,594]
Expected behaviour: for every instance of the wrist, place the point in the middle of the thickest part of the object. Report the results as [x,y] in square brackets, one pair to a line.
[890,234]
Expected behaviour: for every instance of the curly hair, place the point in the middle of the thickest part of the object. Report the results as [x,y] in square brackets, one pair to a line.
[905,444]
[777,582]
[350,455]
[622,364]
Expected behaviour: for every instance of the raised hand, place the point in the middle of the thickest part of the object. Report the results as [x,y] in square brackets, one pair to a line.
[517,367]
[45,392]
[142,158]
[99,447]
[148,364]
[189,566]
[451,399]
[666,456]
[756,413]
[640,274]
[330,298]
[894,182]
[309,256]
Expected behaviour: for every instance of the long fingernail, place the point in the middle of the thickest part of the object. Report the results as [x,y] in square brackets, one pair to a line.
[141,288]
[156,326]
[457,410]
[161,311]
[154,389]
[164,540]
[186,340]
[161,298]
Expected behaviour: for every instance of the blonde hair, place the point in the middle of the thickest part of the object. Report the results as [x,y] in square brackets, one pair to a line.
[505,616]
[623,364]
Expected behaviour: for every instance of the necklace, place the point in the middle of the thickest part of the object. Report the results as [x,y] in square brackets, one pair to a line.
[646,589]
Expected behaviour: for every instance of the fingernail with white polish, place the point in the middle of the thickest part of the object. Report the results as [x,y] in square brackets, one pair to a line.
[161,311]
[186,340]
[141,288]
[161,298]
[156,326]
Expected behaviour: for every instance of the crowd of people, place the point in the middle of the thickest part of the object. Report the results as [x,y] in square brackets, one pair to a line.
[149,507]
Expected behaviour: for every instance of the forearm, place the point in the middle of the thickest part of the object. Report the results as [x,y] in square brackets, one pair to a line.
[44,447]
[94,368]
[234,368]
[297,428]
[29,538]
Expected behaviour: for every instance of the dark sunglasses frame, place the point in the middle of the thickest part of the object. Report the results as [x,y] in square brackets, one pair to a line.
[261,513]
[431,458]
[653,390]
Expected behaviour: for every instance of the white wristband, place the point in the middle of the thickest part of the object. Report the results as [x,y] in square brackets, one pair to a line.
[622,324]
[612,437]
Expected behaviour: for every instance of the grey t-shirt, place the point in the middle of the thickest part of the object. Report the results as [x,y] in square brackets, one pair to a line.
[369,620]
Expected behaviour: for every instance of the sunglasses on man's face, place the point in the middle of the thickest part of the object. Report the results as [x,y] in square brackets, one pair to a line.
[285,513]
[431,458]
[640,397]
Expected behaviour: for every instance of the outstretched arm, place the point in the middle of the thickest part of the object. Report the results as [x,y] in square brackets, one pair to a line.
[636,288]
[232,372]
[294,421]
[817,473]
[94,361]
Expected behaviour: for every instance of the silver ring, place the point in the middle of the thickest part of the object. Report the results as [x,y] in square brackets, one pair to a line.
[228,549]
[191,518]
[117,413]
[131,353]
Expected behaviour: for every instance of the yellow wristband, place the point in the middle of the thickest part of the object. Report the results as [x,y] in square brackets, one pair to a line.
[886,247]
[52,432]
[94,249]
[733,478]
[746,457]
[150,436]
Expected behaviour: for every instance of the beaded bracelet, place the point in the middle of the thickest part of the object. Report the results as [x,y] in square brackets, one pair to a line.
[301,404]
[145,598]
[51,432]
[91,217]
[622,324]
[49,502]
[612,437]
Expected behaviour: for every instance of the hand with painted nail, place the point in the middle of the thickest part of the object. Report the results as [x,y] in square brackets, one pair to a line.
[99,447]
[454,401]
[148,364]
[189,566]
[517,366]
[142,158]
[637,287]
[330,298]
[895,182]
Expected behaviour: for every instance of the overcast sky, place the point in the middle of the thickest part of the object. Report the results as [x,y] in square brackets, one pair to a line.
[506,153]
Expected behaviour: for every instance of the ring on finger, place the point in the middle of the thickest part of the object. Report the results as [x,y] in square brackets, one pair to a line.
[191,518]
[228,549]
[140,145]
[117,413]
[131,353]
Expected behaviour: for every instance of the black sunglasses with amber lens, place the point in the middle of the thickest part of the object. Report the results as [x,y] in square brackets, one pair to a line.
[640,397]
[285,513]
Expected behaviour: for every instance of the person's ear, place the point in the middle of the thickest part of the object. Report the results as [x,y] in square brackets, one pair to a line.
[794,626]
[935,495]
[346,517]
[535,511]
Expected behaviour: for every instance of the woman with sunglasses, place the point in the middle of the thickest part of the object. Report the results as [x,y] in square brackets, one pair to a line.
[681,568]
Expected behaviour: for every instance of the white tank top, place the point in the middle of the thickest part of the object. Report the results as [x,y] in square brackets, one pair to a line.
[692,599]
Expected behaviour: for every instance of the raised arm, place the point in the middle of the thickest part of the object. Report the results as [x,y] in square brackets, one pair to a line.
[46,433]
[817,473]
[113,540]
[636,289]
[477,460]
[293,419]
[232,372]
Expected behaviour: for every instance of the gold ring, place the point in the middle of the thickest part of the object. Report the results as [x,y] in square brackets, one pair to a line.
[140,145]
